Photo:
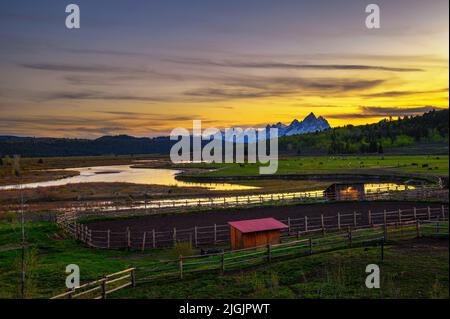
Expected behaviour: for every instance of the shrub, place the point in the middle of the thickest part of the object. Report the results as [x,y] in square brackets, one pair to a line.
[183,249]
[10,217]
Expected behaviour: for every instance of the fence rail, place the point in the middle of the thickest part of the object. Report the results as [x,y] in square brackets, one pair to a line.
[238,259]
[375,234]
[109,208]
[202,236]
[99,289]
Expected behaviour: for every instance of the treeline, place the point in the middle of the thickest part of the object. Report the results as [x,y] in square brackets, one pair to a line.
[431,127]
[107,145]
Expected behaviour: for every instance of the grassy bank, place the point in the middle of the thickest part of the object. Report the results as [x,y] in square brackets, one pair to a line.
[412,269]
[380,164]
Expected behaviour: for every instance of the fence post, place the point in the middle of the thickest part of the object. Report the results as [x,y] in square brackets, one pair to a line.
[104,288]
[108,235]
[222,262]
[385,218]
[443,212]
[153,238]
[128,238]
[429,213]
[370,217]
[306,223]
[143,240]
[322,222]
[195,237]
[310,246]
[85,233]
[269,253]
[289,225]
[417,229]
[382,250]
[415,213]
[350,239]
[400,216]
[133,278]
[215,234]
[181,266]
[72,291]
[174,236]
[385,232]
[354,219]
[339,220]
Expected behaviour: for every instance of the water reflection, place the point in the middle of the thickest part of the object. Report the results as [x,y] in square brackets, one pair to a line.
[127,174]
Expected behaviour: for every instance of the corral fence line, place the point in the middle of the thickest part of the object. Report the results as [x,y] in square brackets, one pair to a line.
[107,208]
[376,234]
[204,236]
[99,289]
[248,257]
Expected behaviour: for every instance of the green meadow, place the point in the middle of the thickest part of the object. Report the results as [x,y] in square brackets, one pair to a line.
[411,269]
[379,164]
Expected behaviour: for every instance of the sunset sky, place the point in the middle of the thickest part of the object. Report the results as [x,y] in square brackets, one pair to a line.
[145,67]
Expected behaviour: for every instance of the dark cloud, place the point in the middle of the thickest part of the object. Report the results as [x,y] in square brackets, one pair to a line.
[247,87]
[80,68]
[379,111]
[96,95]
[404,93]
[280,65]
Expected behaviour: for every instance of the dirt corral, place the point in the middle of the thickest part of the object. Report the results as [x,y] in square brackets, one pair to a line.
[220,217]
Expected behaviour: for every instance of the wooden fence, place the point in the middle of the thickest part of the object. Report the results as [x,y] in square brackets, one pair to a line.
[375,234]
[248,257]
[99,289]
[107,208]
[206,236]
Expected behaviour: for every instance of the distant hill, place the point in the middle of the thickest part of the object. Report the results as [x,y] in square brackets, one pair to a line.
[106,145]
[409,132]
[313,135]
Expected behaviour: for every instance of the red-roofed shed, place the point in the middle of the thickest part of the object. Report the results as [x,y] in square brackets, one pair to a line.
[255,232]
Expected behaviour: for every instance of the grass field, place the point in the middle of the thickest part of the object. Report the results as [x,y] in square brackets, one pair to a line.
[430,165]
[412,269]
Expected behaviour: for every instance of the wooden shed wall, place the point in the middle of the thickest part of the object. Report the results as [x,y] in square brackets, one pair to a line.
[247,240]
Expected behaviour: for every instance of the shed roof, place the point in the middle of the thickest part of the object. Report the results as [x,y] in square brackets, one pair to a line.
[255,225]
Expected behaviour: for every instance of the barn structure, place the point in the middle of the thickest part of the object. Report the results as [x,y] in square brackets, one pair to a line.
[345,191]
[255,232]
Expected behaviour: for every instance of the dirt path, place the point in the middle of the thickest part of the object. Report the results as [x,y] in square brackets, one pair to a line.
[187,220]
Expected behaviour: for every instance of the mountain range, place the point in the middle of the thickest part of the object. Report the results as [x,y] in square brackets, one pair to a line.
[310,124]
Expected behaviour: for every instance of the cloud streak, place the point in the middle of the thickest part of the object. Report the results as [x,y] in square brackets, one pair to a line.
[403,93]
[281,65]
[261,87]
[379,111]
